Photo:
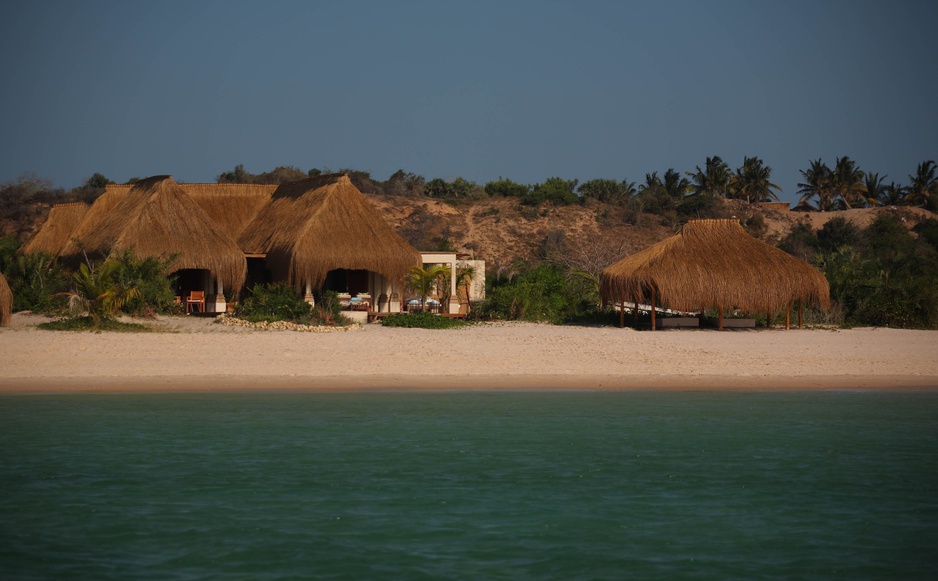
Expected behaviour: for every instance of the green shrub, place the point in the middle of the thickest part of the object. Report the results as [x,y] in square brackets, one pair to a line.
[36,281]
[543,293]
[149,276]
[89,323]
[422,321]
[274,302]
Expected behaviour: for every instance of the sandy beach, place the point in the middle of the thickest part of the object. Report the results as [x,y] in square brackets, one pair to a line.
[190,353]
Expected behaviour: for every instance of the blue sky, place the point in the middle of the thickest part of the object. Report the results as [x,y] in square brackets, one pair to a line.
[482,90]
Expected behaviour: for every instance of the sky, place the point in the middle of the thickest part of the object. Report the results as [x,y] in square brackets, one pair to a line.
[524,90]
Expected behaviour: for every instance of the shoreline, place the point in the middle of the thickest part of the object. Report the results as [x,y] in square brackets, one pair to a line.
[424,384]
[188,354]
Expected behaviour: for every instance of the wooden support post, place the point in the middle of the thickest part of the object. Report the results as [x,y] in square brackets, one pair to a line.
[800,314]
[720,317]
[768,318]
[788,316]
[653,308]
[621,314]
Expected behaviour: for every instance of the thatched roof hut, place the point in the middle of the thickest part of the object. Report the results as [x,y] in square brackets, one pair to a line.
[6,302]
[157,218]
[713,264]
[325,223]
[55,232]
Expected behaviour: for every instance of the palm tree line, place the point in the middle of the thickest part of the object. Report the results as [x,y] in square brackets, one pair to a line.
[846,186]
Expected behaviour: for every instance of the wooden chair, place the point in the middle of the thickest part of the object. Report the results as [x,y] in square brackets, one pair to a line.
[196,299]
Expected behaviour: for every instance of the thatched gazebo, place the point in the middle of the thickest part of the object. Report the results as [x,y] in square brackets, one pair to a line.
[55,232]
[314,228]
[156,217]
[714,264]
[6,302]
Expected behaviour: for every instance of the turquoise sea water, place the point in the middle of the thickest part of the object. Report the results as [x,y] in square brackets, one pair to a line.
[470,485]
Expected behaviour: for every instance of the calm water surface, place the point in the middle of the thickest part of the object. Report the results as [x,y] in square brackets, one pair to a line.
[462,485]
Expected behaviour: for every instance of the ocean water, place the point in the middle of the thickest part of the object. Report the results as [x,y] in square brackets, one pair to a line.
[470,485]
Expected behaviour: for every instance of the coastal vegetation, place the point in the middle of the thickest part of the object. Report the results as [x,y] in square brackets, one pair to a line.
[279,302]
[544,266]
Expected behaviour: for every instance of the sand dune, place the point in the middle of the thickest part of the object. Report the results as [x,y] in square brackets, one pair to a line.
[197,353]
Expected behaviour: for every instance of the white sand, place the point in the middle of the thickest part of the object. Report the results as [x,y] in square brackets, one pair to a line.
[196,353]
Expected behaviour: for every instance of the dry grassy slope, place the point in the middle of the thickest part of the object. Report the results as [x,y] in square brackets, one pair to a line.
[500,231]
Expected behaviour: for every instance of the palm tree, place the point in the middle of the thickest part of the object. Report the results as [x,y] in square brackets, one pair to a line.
[923,186]
[752,182]
[97,292]
[675,185]
[847,183]
[423,279]
[817,184]
[713,180]
[875,188]
[892,195]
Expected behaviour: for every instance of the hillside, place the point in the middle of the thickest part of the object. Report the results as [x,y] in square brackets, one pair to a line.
[501,231]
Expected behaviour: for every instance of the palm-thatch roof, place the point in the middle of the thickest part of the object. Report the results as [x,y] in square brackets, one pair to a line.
[55,232]
[6,302]
[325,223]
[713,264]
[230,206]
[157,218]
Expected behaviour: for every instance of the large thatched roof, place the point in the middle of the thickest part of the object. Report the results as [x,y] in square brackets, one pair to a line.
[312,226]
[6,302]
[713,264]
[55,232]
[230,206]
[157,218]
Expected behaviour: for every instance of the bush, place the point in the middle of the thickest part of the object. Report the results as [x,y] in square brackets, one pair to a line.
[36,282]
[149,277]
[274,302]
[543,293]
[422,321]
[91,324]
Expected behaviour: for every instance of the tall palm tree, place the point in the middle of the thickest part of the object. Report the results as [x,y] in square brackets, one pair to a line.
[816,184]
[464,276]
[675,184]
[875,188]
[923,186]
[752,182]
[847,183]
[713,180]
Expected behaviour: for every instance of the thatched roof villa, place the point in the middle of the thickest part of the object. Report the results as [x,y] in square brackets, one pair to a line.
[157,218]
[317,233]
[6,302]
[713,264]
[322,232]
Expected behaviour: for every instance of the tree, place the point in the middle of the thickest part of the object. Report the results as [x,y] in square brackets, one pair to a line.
[923,187]
[403,183]
[847,183]
[555,190]
[816,184]
[96,290]
[875,188]
[458,188]
[752,182]
[607,191]
[423,279]
[713,180]
[892,194]
[505,188]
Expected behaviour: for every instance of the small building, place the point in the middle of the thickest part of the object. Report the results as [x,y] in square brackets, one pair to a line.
[156,217]
[322,234]
[713,264]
